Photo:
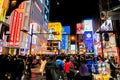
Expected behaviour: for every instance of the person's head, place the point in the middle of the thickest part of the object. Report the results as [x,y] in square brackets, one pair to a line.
[58,57]
[51,57]
[43,58]
[67,59]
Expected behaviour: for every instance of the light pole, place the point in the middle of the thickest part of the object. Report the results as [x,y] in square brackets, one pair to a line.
[31,35]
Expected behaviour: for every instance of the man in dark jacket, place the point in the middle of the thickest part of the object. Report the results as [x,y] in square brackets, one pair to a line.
[60,65]
[50,69]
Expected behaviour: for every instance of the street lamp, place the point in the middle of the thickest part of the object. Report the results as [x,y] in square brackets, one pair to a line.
[73,39]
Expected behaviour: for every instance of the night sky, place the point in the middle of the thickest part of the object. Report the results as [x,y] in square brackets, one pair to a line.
[70,12]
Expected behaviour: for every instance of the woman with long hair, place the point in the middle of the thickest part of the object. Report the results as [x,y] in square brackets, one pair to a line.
[42,66]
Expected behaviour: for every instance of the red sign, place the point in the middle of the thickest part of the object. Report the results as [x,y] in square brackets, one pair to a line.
[15,28]
[12,28]
[18,29]
[79,28]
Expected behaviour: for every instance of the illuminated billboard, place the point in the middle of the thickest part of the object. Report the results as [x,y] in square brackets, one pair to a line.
[88,25]
[16,25]
[66,30]
[65,36]
[79,28]
[3,9]
[57,27]
[13,27]
[64,42]
[88,36]
[88,39]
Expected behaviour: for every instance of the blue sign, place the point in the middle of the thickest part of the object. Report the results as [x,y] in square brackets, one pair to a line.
[88,39]
[66,30]
[88,36]
[64,42]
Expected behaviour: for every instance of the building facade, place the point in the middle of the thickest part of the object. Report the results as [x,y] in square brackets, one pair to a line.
[110,20]
[31,16]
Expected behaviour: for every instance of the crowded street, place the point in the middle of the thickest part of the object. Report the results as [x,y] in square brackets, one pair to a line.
[35,75]
[59,40]
[63,67]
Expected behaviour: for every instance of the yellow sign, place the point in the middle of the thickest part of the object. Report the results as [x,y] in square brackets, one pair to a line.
[57,26]
[3,8]
[1,1]
[2,14]
[5,4]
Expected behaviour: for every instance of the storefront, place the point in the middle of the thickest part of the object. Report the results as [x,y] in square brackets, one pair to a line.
[103,47]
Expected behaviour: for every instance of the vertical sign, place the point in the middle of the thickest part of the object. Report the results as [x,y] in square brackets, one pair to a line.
[88,25]
[12,28]
[64,42]
[18,29]
[65,32]
[88,36]
[79,28]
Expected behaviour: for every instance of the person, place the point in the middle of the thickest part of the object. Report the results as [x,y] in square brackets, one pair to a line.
[89,62]
[67,65]
[50,69]
[84,71]
[20,68]
[95,65]
[42,66]
[29,65]
[60,65]
[112,68]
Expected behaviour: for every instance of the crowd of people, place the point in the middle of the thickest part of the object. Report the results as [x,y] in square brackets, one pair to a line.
[13,67]
[59,67]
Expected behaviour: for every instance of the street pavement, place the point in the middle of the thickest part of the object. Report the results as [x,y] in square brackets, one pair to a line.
[35,75]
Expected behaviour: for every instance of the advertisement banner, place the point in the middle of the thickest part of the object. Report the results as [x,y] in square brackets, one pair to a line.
[3,9]
[57,26]
[79,28]
[66,30]
[18,29]
[88,25]
[64,42]
[2,15]
[13,27]
[88,39]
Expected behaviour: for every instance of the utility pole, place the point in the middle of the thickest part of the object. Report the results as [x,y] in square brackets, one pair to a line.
[101,40]
[31,35]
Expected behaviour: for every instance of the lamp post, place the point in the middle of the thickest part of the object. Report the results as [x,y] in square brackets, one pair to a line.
[101,40]
[31,40]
